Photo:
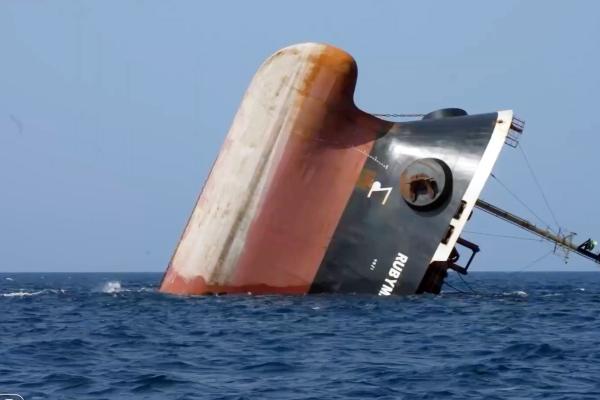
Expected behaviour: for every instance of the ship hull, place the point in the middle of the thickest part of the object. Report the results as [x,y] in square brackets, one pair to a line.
[306,193]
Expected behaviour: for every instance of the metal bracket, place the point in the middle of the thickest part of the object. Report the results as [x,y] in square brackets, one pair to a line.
[474,250]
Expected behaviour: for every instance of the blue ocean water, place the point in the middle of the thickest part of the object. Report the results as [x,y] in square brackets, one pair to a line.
[112,336]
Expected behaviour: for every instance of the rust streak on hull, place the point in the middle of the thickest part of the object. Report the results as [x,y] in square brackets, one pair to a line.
[293,202]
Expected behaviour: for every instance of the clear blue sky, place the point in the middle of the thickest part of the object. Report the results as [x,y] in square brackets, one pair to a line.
[111,112]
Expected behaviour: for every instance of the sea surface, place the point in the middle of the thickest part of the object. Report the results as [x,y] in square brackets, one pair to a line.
[113,336]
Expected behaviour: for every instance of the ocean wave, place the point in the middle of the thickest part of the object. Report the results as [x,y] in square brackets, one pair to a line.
[553,295]
[516,293]
[133,345]
[22,293]
[113,287]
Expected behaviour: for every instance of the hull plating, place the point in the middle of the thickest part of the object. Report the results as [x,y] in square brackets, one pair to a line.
[293,203]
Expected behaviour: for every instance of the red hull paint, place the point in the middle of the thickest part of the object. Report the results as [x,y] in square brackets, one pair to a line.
[308,181]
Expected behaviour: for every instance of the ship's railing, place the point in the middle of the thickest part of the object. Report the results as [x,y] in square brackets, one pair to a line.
[517,126]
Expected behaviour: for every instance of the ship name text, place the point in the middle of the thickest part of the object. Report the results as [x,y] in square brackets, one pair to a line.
[393,275]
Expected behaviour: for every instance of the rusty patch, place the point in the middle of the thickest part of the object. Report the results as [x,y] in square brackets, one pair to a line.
[366,179]
[321,163]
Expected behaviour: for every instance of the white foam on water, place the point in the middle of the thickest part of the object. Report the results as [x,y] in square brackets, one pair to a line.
[518,293]
[22,293]
[552,294]
[9,279]
[112,287]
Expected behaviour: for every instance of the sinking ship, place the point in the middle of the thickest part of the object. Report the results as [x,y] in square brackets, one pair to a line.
[310,194]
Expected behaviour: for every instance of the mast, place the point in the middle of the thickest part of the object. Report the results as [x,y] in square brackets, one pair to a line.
[559,240]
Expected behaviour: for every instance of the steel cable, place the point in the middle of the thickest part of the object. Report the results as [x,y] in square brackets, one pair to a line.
[522,202]
[535,179]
